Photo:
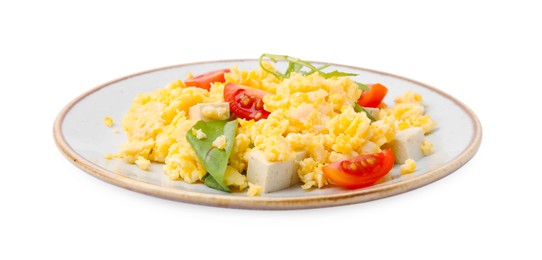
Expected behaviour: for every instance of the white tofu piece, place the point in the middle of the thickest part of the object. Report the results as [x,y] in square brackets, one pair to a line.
[210,111]
[373,111]
[406,144]
[272,176]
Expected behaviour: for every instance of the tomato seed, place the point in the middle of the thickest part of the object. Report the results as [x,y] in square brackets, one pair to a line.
[258,115]
[363,163]
[353,166]
[259,104]
[371,161]
[245,101]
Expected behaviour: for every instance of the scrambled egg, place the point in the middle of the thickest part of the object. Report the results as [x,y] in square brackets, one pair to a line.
[143,163]
[220,142]
[199,134]
[427,147]
[309,113]
[408,167]
[409,112]
[234,179]
[149,122]
[215,113]
[108,121]
[254,190]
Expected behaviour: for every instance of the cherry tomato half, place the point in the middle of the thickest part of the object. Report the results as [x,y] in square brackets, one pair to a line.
[204,80]
[374,96]
[360,171]
[245,102]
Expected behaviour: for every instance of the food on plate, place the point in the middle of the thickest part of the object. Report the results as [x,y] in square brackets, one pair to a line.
[360,171]
[408,167]
[108,121]
[254,190]
[143,163]
[372,97]
[427,147]
[264,130]
[273,176]
[205,80]
[407,144]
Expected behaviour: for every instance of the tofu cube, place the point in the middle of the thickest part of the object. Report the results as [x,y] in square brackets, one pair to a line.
[407,144]
[210,111]
[372,111]
[272,176]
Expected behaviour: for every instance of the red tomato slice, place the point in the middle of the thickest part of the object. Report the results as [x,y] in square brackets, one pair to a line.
[360,171]
[204,80]
[245,102]
[374,96]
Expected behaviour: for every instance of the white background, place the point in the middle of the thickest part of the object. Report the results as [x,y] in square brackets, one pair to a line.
[485,53]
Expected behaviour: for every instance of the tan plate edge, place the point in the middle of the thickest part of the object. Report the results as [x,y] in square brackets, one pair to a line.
[351,197]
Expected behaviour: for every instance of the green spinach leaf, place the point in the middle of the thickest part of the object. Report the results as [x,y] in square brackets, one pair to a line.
[210,182]
[214,160]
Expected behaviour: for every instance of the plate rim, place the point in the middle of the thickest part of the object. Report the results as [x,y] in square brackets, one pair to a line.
[262,202]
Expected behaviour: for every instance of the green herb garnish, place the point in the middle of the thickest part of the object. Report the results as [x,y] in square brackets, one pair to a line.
[294,65]
[336,73]
[359,109]
[214,160]
[362,86]
[297,65]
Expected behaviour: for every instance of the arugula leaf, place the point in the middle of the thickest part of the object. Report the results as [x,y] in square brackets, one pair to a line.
[359,109]
[362,86]
[323,67]
[296,65]
[336,73]
[214,160]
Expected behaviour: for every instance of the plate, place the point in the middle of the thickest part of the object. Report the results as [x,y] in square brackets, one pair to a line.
[81,136]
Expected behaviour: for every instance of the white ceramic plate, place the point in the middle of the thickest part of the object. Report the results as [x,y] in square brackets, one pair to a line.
[81,136]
